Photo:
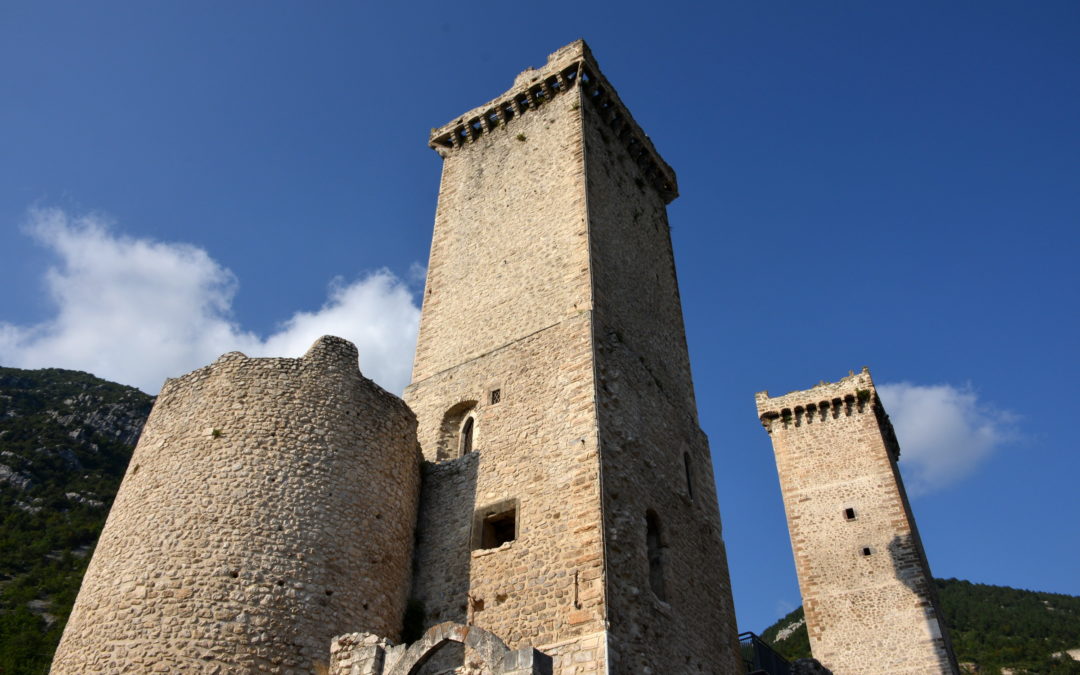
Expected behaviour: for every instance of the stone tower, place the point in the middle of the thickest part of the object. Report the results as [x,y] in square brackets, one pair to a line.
[268,506]
[869,599]
[570,502]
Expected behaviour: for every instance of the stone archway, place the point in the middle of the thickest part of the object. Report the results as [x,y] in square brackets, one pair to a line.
[367,654]
[488,649]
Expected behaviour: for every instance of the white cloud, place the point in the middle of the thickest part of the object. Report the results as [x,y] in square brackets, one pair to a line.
[137,311]
[944,432]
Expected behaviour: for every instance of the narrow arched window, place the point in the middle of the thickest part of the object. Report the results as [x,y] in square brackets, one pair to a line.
[655,546]
[466,436]
[689,475]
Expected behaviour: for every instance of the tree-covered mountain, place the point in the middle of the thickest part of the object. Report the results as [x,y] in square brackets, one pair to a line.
[994,629]
[65,441]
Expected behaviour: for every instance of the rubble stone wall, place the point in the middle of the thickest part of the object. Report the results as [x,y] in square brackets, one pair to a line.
[655,457]
[867,591]
[536,447]
[268,506]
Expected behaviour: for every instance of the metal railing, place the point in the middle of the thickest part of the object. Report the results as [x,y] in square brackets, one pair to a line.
[759,657]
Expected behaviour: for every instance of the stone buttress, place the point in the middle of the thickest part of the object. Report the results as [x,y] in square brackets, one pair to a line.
[268,506]
[869,599]
[568,502]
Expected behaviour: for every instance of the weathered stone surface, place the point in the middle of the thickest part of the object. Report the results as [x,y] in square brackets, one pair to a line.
[568,520]
[867,592]
[366,654]
[551,280]
[268,506]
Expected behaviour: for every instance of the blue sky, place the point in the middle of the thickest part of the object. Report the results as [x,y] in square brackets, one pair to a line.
[886,184]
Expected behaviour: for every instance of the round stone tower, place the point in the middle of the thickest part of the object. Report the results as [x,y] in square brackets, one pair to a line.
[268,506]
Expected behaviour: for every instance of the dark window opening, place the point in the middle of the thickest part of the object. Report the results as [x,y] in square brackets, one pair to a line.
[849,513]
[689,475]
[655,546]
[495,525]
[866,550]
[467,436]
[496,396]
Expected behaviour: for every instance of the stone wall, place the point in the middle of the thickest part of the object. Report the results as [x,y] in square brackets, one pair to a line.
[551,238]
[867,591]
[670,608]
[509,255]
[268,506]
[537,448]
[506,309]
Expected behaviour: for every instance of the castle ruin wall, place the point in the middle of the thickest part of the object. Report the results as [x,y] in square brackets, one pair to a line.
[268,506]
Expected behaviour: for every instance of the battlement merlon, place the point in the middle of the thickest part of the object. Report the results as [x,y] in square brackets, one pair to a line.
[856,390]
[825,391]
[569,66]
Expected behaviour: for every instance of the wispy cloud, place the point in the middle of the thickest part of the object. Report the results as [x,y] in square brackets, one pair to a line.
[945,432]
[137,311]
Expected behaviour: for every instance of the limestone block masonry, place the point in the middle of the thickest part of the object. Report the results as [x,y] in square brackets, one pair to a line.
[869,599]
[268,506]
[553,393]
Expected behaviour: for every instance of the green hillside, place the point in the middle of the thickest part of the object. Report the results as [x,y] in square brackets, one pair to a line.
[992,627]
[65,441]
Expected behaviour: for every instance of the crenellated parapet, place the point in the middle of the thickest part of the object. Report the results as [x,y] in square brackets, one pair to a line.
[851,395]
[570,68]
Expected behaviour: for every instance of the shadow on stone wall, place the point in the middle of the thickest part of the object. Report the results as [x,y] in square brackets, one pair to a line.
[443,555]
[907,563]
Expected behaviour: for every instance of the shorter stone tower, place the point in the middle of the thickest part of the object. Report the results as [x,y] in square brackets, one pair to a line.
[867,592]
[268,506]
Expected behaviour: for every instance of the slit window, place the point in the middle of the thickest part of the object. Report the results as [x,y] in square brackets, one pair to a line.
[689,475]
[849,513]
[655,548]
[495,525]
[496,396]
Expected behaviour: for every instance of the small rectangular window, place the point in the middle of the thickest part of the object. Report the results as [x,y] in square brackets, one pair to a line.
[867,550]
[496,396]
[495,525]
[849,513]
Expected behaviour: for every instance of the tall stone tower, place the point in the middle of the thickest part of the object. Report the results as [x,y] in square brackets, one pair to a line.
[571,503]
[867,592]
